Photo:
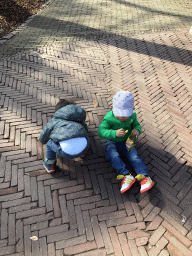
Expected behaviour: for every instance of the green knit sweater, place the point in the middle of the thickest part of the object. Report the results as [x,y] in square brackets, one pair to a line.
[110,124]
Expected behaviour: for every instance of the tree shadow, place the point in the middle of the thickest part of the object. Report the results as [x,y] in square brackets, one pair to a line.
[151,10]
[171,193]
[141,46]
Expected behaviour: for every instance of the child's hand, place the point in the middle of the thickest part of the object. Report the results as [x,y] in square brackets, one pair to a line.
[120,133]
[135,132]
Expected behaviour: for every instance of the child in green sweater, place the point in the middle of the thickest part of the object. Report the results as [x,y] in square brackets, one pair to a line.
[116,127]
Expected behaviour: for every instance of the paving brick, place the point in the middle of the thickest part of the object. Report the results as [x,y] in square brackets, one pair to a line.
[100,252]
[120,221]
[81,194]
[29,213]
[171,221]
[152,214]
[56,207]
[157,235]
[16,202]
[130,227]
[27,185]
[53,230]
[85,207]
[142,251]
[80,248]
[39,218]
[155,223]
[8,191]
[34,195]
[80,221]
[22,207]
[142,241]
[48,199]
[88,226]
[41,193]
[153,251]
[64,210]
[9,250]
[150,206]
[113,215]
[176,233]
[133,248]
[95,183]
[72,215]
[128,206]
[62,236]
[20,180]
[51,249]
[106,238]
[176,243]
[115,241]
[136,234]
[71,242]
[161,243]
[27,241]
[86,200]
[4,223]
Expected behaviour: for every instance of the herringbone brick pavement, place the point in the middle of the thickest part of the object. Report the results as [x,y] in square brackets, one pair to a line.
[79,209]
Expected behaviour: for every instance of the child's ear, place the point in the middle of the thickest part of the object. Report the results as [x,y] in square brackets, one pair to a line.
[111,106]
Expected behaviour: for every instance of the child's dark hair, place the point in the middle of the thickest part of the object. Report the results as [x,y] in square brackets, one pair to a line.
[63,103]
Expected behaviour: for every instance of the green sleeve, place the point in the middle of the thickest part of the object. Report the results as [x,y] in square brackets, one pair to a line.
[105,130]
[45,133]
[136,124]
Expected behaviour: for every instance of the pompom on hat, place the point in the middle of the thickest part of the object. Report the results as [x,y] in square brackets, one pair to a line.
[123,103]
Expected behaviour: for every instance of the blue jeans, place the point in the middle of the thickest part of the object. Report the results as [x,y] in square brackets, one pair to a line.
[113,150]
[53,148]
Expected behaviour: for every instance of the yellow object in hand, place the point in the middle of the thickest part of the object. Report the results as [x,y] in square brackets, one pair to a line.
[126,131]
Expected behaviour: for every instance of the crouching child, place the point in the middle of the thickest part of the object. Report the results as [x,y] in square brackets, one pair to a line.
[66,134]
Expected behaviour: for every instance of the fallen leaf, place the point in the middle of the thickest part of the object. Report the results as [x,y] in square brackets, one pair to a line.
[34,238]
[95,103]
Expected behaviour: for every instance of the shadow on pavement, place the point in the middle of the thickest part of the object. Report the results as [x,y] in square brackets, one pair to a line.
[157,50]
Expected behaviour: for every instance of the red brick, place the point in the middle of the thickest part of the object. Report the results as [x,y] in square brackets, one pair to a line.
[142,251]
[121,221]
[164,253]
[154,251]
[178,244]
[135,207]
[129,227]
[86,200]
[136,234]
[157,235]
[62,236]
[115,241]
[170,220]
[97,232]
[103,210]
[161,243]
[100,252]
[176,233]
[71,242]
[80,248]
[174,250]
[133,248]
[106,238]
[124,245]
[155,223]
[142,241]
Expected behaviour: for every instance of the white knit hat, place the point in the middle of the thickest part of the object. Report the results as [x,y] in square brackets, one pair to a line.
[74,146]
[123,103]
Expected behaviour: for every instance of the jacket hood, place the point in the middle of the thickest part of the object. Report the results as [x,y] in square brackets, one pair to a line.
[71,113]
